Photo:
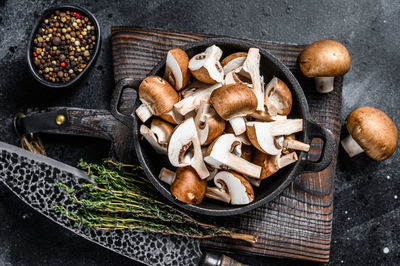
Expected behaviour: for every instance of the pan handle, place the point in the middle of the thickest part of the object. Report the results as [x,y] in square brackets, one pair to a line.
[316,131]
[124,99]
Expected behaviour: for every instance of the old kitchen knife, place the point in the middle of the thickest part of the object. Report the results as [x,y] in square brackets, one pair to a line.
[32,178]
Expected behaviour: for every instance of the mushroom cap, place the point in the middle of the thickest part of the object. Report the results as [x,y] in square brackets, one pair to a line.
[188,187]
[269,164]
[162,130]
[206,67]
[278,98]
[157,94]
[325,58]
[177,68]
[374,131]
[233,61]
[233,100]
[237,186]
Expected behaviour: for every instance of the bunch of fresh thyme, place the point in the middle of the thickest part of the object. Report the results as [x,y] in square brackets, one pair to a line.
[121,197]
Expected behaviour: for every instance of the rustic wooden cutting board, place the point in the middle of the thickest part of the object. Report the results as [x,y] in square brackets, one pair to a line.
[298,223]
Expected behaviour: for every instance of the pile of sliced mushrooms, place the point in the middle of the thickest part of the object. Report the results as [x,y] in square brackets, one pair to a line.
[225,131]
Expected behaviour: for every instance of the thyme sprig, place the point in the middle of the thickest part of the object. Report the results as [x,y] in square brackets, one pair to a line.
[120,197]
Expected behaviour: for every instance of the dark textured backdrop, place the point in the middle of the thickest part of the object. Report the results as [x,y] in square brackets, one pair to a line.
[367,208]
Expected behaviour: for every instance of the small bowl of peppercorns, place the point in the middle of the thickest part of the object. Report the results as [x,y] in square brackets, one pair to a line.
[63,45]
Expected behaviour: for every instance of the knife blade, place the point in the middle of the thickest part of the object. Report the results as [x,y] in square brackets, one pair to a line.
[32,178]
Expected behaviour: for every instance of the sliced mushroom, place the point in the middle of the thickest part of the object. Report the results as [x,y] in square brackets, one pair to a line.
[252,66]
[206,67]
[233,103]
[264,116]
[234,77]
[238,188]
[278,98]
[243,137]
[176,68]
[371,131]
[272,163]
[157,97]
[172,117]
[233,61]
[184,148]
[192,101]
[157,135]
[324,60]
[218,194]
[209,124]
[188,187]
[262,134]
[220,154]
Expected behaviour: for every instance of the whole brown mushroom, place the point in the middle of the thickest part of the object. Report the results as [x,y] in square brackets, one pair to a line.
[324,60]
[371,131]
[157,96]
[188,187]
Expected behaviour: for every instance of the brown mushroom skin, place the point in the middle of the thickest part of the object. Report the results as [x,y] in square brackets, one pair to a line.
[325,58]
[202,74]
[188,187]
[380,135]
[182,59]
[232,100]
[268,164]
[232,56]
[158,94]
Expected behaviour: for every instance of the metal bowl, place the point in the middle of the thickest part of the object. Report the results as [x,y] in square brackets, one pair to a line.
[270,187]
[29,53]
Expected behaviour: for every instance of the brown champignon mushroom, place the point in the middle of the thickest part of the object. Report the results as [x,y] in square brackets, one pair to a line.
[223,153]
[157,97]
[265,135]
[324,60]
[191,101]
[239,189]
[233,61]
[272,163]
[209,124]
[177,68]
[184,148]
[233,103]
[188,187]
[172,117]
[205,67]
[371,131]
[157,135]
[278,98]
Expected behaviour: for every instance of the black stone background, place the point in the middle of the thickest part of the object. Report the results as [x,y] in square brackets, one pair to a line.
[366,211]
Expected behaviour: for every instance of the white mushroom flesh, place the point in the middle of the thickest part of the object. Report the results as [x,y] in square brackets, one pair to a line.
[185,138]
[210,61]
[252,64]
[172,68]
[222,156]
[351,147]
[234,64]
[152,139]
[192,101]
[237,191]
[167,176]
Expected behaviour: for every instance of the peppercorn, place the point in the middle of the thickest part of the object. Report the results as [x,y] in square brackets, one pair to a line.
[56,40]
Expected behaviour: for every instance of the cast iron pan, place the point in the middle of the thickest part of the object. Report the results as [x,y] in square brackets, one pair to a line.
[270,187]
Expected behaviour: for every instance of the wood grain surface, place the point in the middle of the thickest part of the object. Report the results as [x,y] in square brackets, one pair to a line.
[298,223]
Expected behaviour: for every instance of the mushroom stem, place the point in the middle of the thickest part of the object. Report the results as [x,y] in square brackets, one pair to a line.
[143,112]
[167,176]
[287,159]
[238,125]
[286,127]
[254,182]
[324,84]
[351,146]
[243,166]
[217,194]
[295,145]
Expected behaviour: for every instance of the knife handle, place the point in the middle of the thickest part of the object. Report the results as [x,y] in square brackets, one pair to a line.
[81,122]
[215,259]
